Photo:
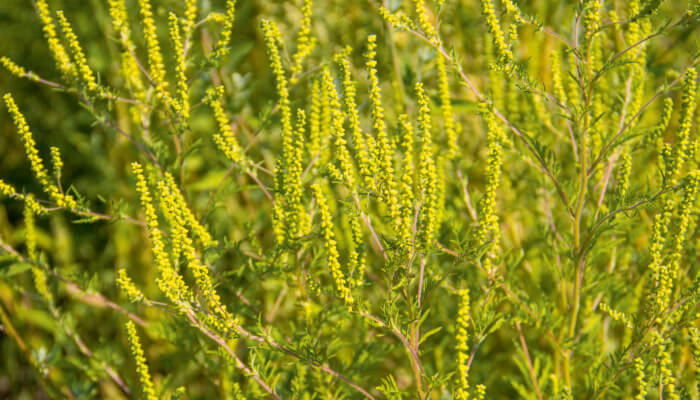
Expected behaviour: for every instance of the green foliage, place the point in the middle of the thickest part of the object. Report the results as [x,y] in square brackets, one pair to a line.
[349,199]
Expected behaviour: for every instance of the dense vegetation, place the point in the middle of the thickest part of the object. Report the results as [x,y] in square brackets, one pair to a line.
[424,199]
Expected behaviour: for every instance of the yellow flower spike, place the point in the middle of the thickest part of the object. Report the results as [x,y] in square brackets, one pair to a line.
[120,21]
[502,48]
[427,176]
[176,215]
[617,315]
[685,211]
[664,356]
[15,69]
[129,69]
[660,271]
[30,233]
[293,185]
[190,17]
[183,102]
[384,147]
[623,178]
[660,128]
[128,287]
[424,21]
[489,230]
[331,249]
[225,139]
[40,173]
[463,321]
[448,119]
[63,61]
[7,190]
[191,221]
[169,282]
[222,46]
[272,40]
[399,21]
[147,388]
[30,238]
[156,68]
[338,131]
[514,10]
[572,88]
[57,162]
[86,73]
[314,143]
[404,225]
[357,256]
[591,18]
[639,377]
[305,42]
[358,137]
[683,146]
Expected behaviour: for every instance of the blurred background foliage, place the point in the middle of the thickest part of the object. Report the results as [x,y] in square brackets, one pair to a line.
[97,159]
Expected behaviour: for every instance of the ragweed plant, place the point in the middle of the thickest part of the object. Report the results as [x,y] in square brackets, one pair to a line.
[337,200]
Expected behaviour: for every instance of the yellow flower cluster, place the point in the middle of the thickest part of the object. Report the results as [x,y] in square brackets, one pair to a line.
[190,17]
[557,83]
[663,354]
[385,149]
[30,237]
[347,171]
[404,225]
[305,42]
[14,69]
[314,142]
[591,18]
[488,228]
[358,137]
[30,233]
[273,38]
[128,287]
[86,73]
[56,161]
[685,212]
[190,220]
[424,22]
[63,200]
[502,48]
[129,68]
[225,140]
[9,191]
[331,247]
[683,146]
[514,10]
[357,256]
[63,61]
[156,68]
[179,218]
[427,174]
[480,392]
[222,46]
[297,223]
[658,238]
[182,105]
[660,128]
[617,315]
[446,106]
[400,21]
[640,378]
[147,388]
[463,321]
[169,282]
[623,177]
